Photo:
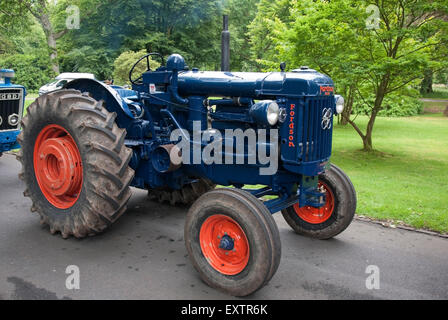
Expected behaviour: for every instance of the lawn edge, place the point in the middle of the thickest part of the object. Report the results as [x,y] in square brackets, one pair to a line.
[391,224]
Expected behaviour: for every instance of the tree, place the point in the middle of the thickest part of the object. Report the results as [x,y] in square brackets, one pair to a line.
[241,14]
[24,49]
[191,28]
[39,9]
[369,47]
[271,16]
[46,12]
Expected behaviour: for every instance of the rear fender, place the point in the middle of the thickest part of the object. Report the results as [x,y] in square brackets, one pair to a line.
[100,91]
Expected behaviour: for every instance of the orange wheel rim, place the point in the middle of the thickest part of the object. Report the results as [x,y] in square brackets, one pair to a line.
[58,166]
[224,244]
[317,215]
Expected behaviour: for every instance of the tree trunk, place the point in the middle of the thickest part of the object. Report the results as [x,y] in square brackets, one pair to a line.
[51,41]
[426,85]
[367,139]
[348,106]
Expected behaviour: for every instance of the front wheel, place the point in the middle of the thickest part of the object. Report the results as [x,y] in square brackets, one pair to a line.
[233,241]
[331,219]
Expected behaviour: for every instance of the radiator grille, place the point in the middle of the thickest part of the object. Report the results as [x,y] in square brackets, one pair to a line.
[9,104]
[317,129]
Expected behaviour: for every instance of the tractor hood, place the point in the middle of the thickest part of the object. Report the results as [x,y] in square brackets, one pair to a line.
[299,82]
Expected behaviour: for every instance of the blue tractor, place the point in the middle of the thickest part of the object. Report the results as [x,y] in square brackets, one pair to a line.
[178,133]
[12,99]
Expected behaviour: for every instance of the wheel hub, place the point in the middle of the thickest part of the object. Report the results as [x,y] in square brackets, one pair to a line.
[318,215]
[224,244]
[58,166]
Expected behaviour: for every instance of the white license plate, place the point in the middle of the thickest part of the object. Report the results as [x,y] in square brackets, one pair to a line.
[9,96]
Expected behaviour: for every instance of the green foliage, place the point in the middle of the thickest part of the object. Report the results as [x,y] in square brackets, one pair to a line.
[264,31]
[31,71]
[188,27]
[441,76]
[393,106]
[241,14]
[27,54]
[124,63]
[88,59]
[403,103]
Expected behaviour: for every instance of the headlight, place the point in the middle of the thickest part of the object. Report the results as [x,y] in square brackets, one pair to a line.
[339,103]
[266,112]
[272,113]
[13,120]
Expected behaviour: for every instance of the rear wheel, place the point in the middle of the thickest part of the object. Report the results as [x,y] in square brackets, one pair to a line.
[331,219]
[74,163]
[231,241]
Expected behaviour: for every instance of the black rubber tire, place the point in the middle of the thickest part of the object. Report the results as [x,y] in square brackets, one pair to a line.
[106,173]
[343,213]
[259,230]
[272,229]
[185,196]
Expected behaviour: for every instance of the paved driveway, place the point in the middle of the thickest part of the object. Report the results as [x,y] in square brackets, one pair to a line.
[143,257]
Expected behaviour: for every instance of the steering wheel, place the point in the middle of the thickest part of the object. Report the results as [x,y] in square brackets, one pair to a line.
[138,81]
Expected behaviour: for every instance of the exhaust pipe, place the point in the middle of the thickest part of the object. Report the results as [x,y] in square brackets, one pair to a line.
[225,45]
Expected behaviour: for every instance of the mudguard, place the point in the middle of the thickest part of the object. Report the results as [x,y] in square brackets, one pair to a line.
[112,99]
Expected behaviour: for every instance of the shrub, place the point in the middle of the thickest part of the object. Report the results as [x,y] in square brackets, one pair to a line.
[398,105]
[31,71]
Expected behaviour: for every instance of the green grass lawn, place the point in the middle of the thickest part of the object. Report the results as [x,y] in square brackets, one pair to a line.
[407,180]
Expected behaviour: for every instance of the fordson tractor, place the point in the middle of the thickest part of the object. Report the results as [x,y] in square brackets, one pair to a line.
[85,146]
[12,98]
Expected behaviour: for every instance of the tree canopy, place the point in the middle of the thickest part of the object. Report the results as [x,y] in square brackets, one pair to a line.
[377,52]
[371,49]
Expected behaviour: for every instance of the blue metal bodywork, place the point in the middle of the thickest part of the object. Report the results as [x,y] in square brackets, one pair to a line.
[12,98]
[172,98]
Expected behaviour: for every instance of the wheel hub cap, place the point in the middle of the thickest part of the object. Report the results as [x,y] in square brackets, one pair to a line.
[58,166]
[224,244]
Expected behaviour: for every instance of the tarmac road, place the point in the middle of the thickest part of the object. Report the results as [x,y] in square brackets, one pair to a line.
[143,257]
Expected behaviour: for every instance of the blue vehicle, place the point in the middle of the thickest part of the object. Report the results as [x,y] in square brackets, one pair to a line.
[12,99]
[84,146]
